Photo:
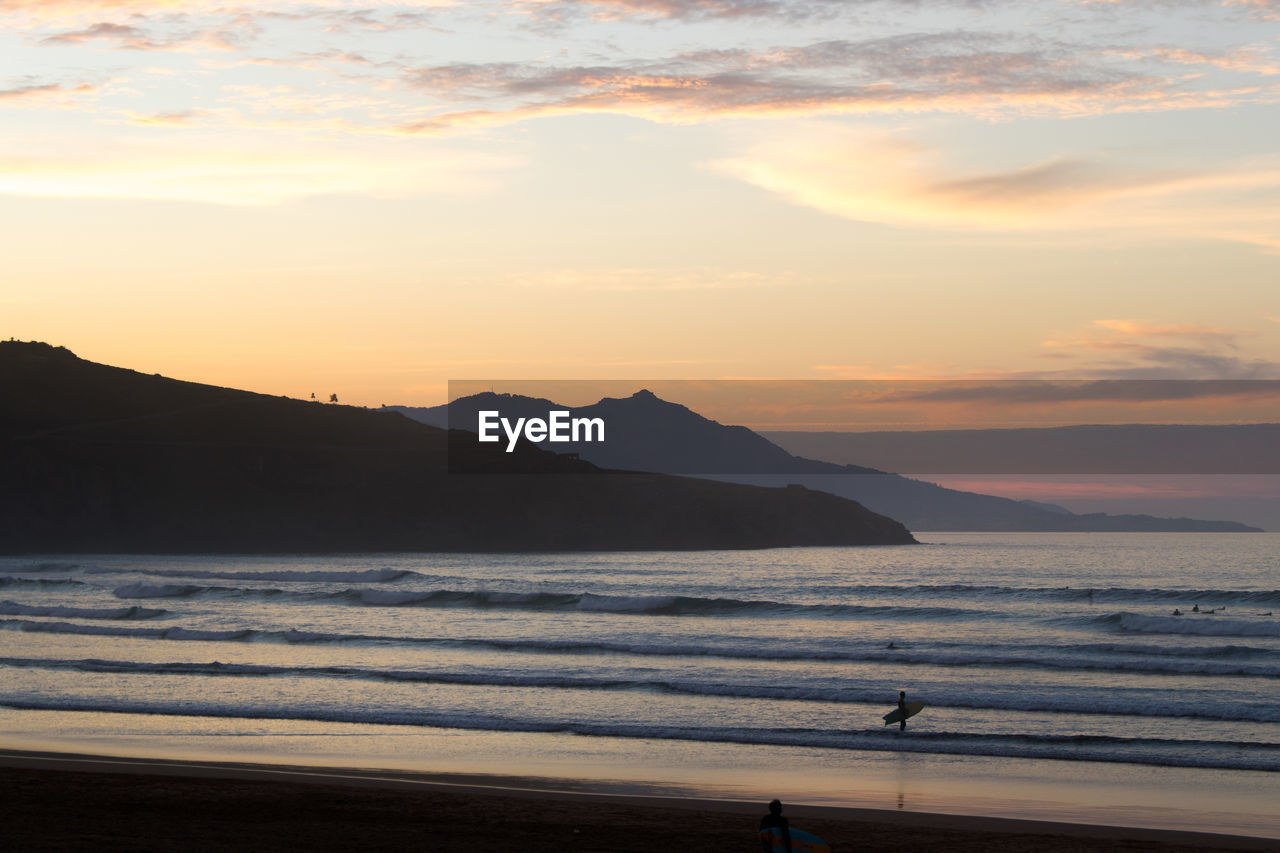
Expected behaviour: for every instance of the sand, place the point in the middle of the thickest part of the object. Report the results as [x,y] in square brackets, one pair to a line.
[67,802]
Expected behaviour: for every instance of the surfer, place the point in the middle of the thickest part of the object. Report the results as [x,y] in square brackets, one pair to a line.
[775,819]
[1176,612]
[902,706]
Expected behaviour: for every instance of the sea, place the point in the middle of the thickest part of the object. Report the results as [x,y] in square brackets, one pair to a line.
[1130,679]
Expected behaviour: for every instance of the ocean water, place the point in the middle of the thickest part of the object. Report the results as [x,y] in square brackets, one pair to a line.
[1050,657]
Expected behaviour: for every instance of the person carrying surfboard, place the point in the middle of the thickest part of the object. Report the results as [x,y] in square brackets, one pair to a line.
[774,819]
[905,709]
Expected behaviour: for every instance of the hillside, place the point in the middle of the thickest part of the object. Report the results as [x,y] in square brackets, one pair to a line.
[98,458]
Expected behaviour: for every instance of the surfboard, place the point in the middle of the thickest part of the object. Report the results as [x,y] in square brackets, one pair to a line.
[895,715]
[801,841]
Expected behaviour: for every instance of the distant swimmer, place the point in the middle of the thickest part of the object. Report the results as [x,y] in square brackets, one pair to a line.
[774,819]
[1196,609]
[891,645]
[1177,612]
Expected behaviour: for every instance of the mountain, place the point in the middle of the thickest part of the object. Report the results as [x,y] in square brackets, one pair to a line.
[1085,449]
[1061,510]
[101,459]
[647,433]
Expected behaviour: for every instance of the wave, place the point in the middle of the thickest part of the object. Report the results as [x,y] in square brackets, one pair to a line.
[1229,755]
[1233,651]
[151,590]
[13,608]
[170,633]
[38,583]
[954,697]
[1198,625]
[1225,661]
[977,592]
[660,605]
[1208,597]
[37,568]
[363,576]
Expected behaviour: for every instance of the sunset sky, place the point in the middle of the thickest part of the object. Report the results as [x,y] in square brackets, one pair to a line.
[371,199]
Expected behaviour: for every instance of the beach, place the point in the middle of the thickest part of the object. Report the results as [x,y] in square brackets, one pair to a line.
[1058,689]
[53,802]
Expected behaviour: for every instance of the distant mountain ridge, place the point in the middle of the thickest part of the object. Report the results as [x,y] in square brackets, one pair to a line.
[648,433]
[96,458]
[643,431]
[1082,449]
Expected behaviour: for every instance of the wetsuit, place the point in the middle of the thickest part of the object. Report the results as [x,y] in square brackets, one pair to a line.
[775,820]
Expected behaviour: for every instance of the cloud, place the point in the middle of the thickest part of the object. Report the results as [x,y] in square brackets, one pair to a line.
[36,93]
[209,171]
[1016,391]
[895,181]
[988,74]
[182,118]
[125,35]
[1135,349]
[30,90]
[634,279]
[1249,60]
[1133,328]
[236,34]
[955,71]
[673,9]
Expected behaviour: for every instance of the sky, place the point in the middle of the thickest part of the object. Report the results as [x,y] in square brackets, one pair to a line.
[372,199]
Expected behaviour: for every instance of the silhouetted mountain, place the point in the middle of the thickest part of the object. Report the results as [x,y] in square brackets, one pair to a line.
[1084,449]
[98,458]
[647,433]
[1061,510]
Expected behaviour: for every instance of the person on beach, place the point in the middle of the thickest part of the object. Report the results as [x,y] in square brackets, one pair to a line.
[902,706]
[774,819]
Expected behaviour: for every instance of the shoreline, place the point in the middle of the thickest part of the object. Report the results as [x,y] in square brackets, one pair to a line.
[109,791]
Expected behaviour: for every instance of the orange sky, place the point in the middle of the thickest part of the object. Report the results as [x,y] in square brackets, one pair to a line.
[372,199]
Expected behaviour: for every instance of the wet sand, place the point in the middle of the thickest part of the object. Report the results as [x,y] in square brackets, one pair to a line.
[65,802]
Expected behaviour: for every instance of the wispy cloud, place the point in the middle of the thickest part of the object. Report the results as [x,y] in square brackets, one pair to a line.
[960,71]
[207,171]
[182,118]
[1062,391]
[634,279]
[890,179]
[44,92]
[1142,350]
[232,35]
[990,72]
[677,9]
